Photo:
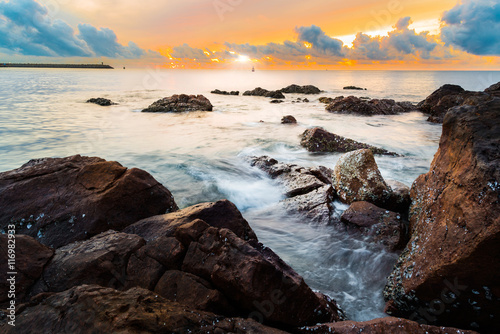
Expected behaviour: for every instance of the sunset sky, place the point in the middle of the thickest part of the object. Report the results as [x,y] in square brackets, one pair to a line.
[271,34]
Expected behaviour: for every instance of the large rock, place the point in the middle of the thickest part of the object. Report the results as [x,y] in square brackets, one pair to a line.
[95,309]
[180,103]
[27,258]
[275,94]
[355,105]
[381,326]
[308,191]
[319,140]
[296,89]
[58,201]
[448,273]
[380,225]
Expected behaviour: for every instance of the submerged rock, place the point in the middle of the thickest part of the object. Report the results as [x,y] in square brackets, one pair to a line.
[319,140]
[276,101]
[367,107]
[101,101]
[275,94]
[61,200]
[354,88]
[296,89]
[289,119]
[452,262]
[180,103]
[223,92]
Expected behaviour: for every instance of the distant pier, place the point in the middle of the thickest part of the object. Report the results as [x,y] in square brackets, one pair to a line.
[88,66]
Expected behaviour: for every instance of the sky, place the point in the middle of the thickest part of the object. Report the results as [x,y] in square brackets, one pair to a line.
[270,34]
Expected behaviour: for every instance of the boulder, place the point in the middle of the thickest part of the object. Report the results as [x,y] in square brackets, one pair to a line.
[180,103]
[326,100]
[223,92]
[361,106]
[493,89]
[319,140]
[381,326]
[379,225]
[448,272]
[95,309]
[30,258]
[101,101]
[275,94]
[353,88]
[61,200]
[276,101]
[289,119]
[296,89]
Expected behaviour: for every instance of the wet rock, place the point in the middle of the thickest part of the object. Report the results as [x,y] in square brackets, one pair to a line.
[223,92]
[381,326]
[399,200]
[361,106]
[95,309]
[354,88]
[289,119]
[357,178]
[276,101]
[221,214]
[30,258]
[296,89]
[58,201]
[276,94]
[320,140]
[101,101]
[447,274]
[305,100]
[380,225]
[180,103]
[326,100]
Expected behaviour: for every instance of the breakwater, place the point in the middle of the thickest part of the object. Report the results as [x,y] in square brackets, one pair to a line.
[89,66]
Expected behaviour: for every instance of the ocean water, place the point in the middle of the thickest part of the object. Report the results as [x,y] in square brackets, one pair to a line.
[200,156]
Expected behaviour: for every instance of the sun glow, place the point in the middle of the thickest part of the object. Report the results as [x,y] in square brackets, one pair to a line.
[243,58]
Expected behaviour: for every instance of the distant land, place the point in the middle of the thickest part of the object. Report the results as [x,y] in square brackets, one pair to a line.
[89,66]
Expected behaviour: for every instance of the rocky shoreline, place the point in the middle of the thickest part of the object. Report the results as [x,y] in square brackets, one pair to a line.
[105,247]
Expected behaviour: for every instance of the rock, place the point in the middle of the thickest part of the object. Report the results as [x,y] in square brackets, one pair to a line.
[222,214]
[320,140]
[305,101]
[361,106]
[276,94]
[308,191]
[58,201]
[354,88]
[381,326]
[296,89]
[357,178]
[101,101]
[289,119]
[94,309]
[493,89]
[448,273]
[180,103]
[223,92]
[326,100]
[30,258]
[380,225]
[399,200]
[276,101]
[428,104]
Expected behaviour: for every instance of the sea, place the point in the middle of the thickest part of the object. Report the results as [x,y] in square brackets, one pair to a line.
[203,156]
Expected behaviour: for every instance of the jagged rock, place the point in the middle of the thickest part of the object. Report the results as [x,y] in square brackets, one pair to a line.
[380,225]
[58,201]
[289,119]
[448,273]
[320,140]
[223,92]
[29,258]
[361,106]
[296,89]
[95,309]
[180,103]
[101,101]
[275,94]
[381,326]
[354,88]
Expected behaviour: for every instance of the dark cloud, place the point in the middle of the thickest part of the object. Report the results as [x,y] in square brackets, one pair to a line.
[473,26]
[27,29]
[321,43]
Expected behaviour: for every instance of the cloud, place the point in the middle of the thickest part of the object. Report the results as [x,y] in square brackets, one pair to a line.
[320,41]
[473,26]
[27,29]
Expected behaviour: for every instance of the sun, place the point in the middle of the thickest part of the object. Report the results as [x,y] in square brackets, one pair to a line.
[243,58]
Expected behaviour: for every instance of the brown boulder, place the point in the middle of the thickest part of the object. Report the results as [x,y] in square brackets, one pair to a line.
[289,119]
[30,257]
[320,140]
[58,201]
[94,309]
[355,105]
[380,225]
[448,273]
[180,103]
[381,326]
[296,89]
